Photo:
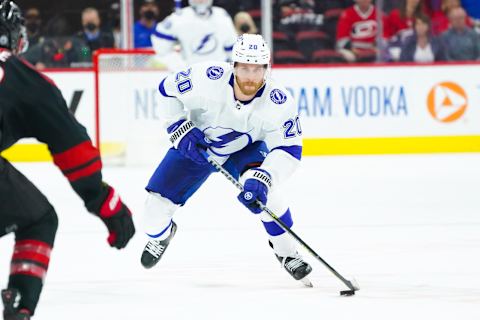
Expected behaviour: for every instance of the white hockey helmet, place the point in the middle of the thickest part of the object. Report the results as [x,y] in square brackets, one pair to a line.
[201,7]
[251,48]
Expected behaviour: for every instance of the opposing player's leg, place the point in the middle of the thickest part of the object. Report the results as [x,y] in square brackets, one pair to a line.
[174,181]
[27,213]
[282,244]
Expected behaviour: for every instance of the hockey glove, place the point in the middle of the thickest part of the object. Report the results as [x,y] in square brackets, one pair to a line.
[256,186]
[188,140]
[116,216]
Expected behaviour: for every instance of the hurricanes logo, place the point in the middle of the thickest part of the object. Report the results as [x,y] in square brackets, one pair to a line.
[447,102]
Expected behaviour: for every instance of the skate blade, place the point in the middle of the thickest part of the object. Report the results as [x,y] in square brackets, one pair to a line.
[306,282]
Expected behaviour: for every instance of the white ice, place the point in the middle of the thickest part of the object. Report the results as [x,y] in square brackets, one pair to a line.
[406,227]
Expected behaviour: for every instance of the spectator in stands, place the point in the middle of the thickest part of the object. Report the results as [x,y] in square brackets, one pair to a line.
[422,47]
[440,20]
[244,23]
[400,26]
[145,27]
[297,15]
[59,49]
[33,23]
[357,31]
[114,23]
[400,21]
[461,41]
[92,34]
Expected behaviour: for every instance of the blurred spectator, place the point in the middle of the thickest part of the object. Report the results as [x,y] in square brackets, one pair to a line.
[357,31]
[400,21]
[461,41]
[244,23]
[203,31]
[58,49]
[113,16]
[92,35]
[297,15]
[440,20]
[33,23]
[422,47]
[145,27]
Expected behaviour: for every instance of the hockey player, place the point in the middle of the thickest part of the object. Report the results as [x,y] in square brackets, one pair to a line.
[249,123]
[32,106]
[203,31]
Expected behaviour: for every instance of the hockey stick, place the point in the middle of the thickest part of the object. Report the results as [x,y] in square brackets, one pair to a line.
[350,284]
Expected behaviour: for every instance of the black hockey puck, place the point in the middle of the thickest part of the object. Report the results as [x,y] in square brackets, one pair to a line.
[347,292]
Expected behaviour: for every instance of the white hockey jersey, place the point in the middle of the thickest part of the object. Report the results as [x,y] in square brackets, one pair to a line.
[200,38]
[204,94]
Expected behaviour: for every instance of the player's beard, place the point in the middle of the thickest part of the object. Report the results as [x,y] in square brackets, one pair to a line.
[249,88]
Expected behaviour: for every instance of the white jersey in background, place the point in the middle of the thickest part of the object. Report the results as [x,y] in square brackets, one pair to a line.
[204,94]
[201,37]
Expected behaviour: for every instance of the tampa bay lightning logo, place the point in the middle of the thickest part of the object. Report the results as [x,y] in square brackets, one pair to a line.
[248,196]
[278,96]
[214,72]
[207,45]
[225,141]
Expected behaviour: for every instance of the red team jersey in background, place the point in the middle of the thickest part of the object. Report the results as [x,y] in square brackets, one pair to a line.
[398,25]
[358,28]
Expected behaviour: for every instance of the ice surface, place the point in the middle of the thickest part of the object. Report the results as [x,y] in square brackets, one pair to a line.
[407,227]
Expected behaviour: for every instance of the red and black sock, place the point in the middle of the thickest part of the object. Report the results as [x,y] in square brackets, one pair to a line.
[28,270]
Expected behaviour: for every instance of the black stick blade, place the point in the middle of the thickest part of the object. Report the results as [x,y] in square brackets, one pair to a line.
[347,293]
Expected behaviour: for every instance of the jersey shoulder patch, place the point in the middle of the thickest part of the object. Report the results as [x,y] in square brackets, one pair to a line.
[278,96]
[215,72]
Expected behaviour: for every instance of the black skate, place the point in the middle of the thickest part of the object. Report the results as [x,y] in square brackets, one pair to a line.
[298,268]
[10,298]
[155,249]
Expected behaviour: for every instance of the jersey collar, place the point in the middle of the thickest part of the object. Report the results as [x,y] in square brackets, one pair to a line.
[257,95]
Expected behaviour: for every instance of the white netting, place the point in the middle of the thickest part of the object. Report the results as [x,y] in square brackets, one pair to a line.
[130,128]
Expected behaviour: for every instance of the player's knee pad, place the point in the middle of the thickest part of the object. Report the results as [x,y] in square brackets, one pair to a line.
[158,213]
[43,229]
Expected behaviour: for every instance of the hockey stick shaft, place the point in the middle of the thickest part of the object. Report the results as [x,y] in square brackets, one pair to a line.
[280,223]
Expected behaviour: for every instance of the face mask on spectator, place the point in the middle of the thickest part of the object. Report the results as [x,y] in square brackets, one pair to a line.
[90,26]
[149,15]
[245,28]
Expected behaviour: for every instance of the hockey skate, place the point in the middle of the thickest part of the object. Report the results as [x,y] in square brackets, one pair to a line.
[10,311]
[298,268]
[155,249]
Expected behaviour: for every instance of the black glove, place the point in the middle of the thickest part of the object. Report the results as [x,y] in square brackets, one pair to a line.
[116,216]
